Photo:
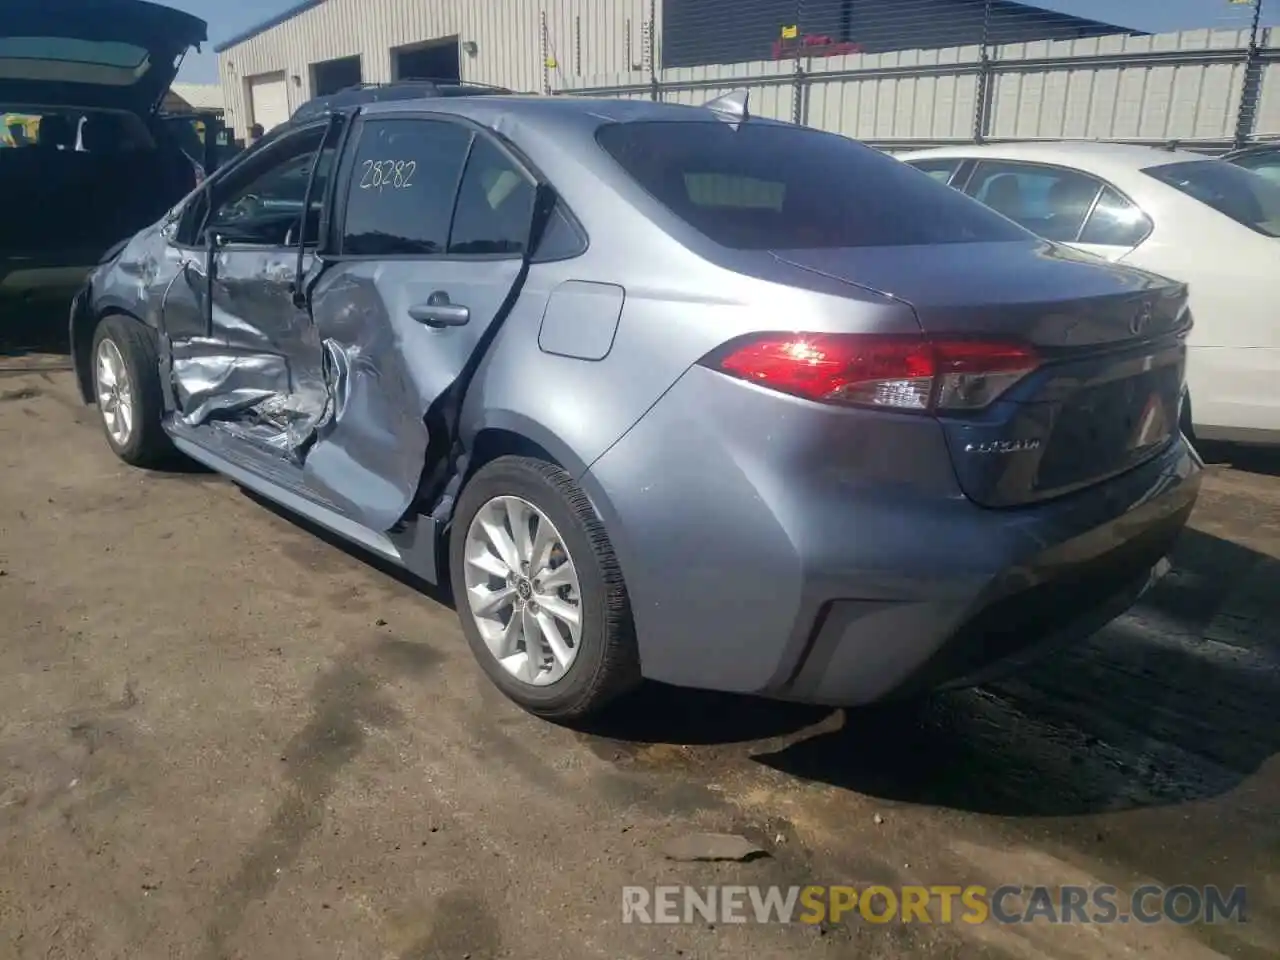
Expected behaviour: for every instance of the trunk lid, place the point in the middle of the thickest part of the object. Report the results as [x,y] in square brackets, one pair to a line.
[104,54]
[1111,340]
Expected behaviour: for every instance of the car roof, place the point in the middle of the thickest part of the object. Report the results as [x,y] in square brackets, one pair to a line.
[498,108]
[1085,154]
[535,108]
[366,93]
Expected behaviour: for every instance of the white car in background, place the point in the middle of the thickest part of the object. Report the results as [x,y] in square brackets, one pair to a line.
[1206,222]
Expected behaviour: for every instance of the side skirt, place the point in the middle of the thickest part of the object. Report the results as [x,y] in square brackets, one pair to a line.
[413,546]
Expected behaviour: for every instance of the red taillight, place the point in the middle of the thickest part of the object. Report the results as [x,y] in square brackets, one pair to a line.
[886,371]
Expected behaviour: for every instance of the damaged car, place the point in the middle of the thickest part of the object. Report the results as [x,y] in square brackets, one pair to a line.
[87,161]
[661,391]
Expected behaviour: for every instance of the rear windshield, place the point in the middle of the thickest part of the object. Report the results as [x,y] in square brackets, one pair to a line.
[107,62]
[782,187]
[1240,194]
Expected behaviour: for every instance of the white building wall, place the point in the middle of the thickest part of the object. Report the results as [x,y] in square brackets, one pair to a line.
[583,38]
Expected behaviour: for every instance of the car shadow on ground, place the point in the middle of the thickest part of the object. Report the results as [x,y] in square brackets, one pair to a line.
[1177,701]
[40,330]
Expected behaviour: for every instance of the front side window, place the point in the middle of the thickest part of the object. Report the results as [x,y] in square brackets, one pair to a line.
[264,205]
[1240,194]
[404,181]
[784,187]
[1050,201]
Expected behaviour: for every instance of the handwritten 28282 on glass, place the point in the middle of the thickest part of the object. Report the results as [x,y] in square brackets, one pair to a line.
[380,174]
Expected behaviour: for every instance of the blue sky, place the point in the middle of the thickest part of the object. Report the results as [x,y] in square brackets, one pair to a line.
[228,17]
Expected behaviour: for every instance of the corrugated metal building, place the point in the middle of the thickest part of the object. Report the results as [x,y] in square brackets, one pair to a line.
[320,46]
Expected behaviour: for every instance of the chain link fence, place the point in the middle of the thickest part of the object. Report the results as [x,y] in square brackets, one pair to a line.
[902,74]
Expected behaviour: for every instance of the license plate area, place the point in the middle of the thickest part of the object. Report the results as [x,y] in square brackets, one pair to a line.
[1110,426]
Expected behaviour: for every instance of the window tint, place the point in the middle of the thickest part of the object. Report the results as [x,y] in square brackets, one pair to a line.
[778,187]
[1243,196]
[403,184]
[1263,164]
[1115,222]
[261,206]
[1049,201]
[940,170]
[495,204]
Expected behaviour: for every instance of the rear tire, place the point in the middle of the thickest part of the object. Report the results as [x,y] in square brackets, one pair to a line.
[126,386]
[571,572]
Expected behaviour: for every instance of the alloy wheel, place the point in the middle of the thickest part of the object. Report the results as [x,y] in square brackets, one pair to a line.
[115,392]
[523,591]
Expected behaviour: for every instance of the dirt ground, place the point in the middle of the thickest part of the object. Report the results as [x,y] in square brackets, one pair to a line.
[222,735]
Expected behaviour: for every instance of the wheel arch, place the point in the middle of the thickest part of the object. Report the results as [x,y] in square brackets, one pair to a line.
[507,433]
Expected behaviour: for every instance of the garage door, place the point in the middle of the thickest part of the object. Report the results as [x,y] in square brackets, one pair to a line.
[268,100]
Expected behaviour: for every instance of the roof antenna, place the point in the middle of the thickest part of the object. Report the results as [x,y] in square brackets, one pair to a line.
[731,107]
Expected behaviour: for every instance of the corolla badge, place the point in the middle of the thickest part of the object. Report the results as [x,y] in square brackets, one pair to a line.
[1003,446]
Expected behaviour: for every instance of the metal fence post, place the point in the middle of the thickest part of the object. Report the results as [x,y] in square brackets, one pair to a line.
[982,102]
[1251,88]
[655,84]
[546,53]
[799,100]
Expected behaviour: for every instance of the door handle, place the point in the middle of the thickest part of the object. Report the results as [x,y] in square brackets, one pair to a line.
[439,312]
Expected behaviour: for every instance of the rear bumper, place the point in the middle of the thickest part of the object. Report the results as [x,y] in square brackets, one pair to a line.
[862,652]
[776,547]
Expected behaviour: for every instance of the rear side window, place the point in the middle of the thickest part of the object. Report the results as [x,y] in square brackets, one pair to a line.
[1115,222]
[782,187]
[403,184]
[1245,197]
[1050,201]
[495,204]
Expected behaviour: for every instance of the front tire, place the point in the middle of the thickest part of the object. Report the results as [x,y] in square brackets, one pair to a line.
[126,386]
[539,590]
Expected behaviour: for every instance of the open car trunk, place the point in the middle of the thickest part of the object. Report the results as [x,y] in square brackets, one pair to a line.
[80,82]
[103,54]
[1104,395]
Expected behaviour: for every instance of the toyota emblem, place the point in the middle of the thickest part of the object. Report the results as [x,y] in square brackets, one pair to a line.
[1141,318]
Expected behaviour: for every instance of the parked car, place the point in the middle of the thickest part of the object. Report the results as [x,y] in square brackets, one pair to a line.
[93,164]
[662,391]
[1263,159]
[1181,214]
